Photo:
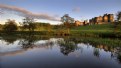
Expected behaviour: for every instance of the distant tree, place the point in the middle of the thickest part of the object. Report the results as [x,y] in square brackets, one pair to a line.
[67,21]
[118,22]
[118,25]
[28,23]
[119,16]
[10,25]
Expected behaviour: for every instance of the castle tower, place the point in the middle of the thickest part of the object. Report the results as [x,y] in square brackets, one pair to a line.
[105,18]
[96,20]
[100,18]
[110,18]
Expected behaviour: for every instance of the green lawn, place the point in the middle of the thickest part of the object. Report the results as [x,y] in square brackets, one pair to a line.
[105,30]
[102,27]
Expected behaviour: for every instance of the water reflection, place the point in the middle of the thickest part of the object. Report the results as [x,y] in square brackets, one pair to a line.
[96,52]
[28,41]
[9,39]
[66,46]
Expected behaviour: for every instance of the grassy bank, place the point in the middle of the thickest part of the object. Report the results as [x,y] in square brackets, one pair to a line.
[104,30]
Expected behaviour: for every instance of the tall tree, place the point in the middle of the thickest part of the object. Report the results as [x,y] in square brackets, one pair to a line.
[118,25]
[28,23]
[119,16]
[67,21]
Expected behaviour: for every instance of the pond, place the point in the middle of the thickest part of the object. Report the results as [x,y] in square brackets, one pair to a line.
[57,53]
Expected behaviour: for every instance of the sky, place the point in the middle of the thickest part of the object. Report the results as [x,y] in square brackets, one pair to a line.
[50,11]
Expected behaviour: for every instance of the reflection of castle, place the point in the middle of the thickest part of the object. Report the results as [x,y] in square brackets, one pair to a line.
[106,18]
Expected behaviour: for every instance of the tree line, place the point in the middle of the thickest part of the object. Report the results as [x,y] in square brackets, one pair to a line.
[28,24]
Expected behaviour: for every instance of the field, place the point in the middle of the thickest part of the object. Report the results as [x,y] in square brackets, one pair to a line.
[104,30]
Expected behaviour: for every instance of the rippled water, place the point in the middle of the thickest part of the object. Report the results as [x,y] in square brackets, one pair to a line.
[57,53]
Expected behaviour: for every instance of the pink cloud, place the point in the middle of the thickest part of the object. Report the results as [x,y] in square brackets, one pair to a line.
[76,9]
[25,13]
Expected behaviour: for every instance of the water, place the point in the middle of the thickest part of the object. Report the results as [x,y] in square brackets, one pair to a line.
[57,53]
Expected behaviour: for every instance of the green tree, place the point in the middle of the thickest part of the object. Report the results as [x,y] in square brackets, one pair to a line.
[118,22]
[118,25]
[28,23]
[119,16]
[67,21]
[10,25]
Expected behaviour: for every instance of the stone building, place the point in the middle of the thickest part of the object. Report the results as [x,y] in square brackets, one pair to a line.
[106,18]
[100,18]
[78,23]
[111,18]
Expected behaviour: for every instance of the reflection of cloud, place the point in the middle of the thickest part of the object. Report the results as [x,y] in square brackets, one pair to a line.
[21,50]
[26,13]
[77,9]
[12,53]
[14,49]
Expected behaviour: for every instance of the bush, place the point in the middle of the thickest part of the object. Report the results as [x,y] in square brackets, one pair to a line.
[10,26]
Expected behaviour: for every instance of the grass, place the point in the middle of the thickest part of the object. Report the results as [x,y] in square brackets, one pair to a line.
[95,41]
[101,27]
[104,30]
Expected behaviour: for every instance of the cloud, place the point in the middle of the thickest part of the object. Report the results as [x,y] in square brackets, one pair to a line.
[76,9]
[1,13]
[25,13]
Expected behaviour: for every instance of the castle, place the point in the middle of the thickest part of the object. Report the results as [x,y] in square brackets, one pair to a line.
[79,23]
[106,18]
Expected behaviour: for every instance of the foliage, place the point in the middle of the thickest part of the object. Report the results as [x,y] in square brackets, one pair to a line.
[118,24]
[43,26]
[10,25]
[67,46]
[119,16]
[67,21]
[28,23]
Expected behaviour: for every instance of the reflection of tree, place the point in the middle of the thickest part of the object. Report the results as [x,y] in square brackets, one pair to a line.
[9,39]
[118,53]
[67,47]
[119,57]
[96,52]
[28,41]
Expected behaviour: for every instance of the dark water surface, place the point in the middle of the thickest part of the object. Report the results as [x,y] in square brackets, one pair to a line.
[57,53]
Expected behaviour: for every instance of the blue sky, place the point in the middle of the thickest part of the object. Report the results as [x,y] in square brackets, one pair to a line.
[78,9]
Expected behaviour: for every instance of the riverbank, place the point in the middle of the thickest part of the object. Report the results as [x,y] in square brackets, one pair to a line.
[104,30]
